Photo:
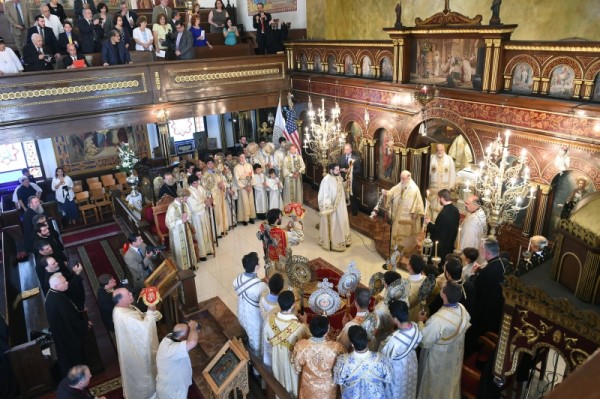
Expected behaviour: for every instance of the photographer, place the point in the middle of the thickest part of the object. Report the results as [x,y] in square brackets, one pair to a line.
[138,259]
[35,56]
[62,186]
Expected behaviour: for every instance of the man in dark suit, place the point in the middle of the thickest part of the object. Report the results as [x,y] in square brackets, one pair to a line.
[66,37]
[47,35]
[114,51]
[72,56]
[37,57]
[184,42]
[19,18]
[260,22]
[78,7]
[91,33]
[129,18]
[174,18]
[445,229]
[344,162]
[138,261]
[105,303]
[161,9]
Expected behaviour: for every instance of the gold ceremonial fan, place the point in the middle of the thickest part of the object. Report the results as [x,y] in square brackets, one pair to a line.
[299,271]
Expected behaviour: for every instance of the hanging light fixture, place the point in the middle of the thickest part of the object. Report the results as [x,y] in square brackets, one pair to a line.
[424,96]
[562,161]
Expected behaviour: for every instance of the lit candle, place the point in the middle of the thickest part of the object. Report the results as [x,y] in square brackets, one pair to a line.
[532,192]
[529,246]
[436,244]
[427,203]
[519,199]
[506,136]
[458,238]
[424,90]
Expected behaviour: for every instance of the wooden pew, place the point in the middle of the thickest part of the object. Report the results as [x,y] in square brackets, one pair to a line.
[223,51]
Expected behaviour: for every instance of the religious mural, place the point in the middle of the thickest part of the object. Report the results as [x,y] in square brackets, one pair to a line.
[385,152]
[596,95]
[317,63]
[561,82]
[348,66]
[446,62]
[387,70]
[98,150]
[273,6]
[522,78]
[569,188]
[366,68]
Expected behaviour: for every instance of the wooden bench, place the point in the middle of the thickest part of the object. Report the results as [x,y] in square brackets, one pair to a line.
[239,50]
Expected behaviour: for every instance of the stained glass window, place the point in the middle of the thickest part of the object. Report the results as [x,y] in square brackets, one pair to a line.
[17,156]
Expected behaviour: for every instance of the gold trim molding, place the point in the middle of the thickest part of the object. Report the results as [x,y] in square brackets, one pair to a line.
[207,77]
[351,44]
[59,91]
[587,236]
[570,49]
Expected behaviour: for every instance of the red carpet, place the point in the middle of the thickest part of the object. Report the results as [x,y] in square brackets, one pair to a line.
[90,234]
[112,390]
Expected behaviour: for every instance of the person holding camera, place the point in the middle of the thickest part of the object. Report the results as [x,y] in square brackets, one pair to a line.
[138,259]
[230,33]
[35,55]
[173,363]
[62,186]
[91,33]
[260,22]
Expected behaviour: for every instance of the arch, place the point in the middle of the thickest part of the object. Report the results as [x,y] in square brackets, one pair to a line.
[449,117]
[348,65]
[387,66]
[344,53]
[318,65]
[533,63]
[592,70]
[353,116]
[366,67]
[304,62]
[381,54]
[331,64]
[579,164]
[573,63]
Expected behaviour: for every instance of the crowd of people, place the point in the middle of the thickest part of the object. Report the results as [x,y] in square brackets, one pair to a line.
[48,40]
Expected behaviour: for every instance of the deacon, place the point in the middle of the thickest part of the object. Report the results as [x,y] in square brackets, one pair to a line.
[174,368]
[137,344]
[361,373]
[67,324]
[242,174]
[281,332]
[180,235]
[278,250]
[334,230]
[400,350]
[268,305]
[199,203]
[406,208]
[442,175]
[443,346]
[350,162]
[444,230]
[293,169]
[314,358]
[249,289]
[474,228]
[416,264]
[215,185]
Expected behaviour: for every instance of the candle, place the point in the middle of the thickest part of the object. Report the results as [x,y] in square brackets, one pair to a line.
[506,136]
[436,244]
[458,238]
[529,246]
[519,257]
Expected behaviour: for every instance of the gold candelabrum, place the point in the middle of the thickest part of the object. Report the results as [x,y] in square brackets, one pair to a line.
[502,186]
[424,96]
[323,138]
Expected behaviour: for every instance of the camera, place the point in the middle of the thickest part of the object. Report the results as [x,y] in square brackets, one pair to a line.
[156,249]
[169,41]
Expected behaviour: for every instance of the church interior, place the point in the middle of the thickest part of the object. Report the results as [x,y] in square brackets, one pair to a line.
[507,91]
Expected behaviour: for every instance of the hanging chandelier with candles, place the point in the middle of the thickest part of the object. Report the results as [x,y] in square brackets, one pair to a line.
[503,187]
[424,96]
[323,137]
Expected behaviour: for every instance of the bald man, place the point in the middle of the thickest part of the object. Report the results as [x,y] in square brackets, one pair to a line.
[405,205]
[72,56]
[474,228]
[173,361]
[442,175]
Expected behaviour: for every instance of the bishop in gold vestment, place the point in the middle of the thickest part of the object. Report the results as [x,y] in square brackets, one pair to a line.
[405,207]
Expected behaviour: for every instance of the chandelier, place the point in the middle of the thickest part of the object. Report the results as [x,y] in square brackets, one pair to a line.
[424,96]
[323,138]
[502,187]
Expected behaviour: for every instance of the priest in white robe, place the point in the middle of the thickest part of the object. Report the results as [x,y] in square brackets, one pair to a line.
[400,350]
[242,175]
[274,188]
[259,185]
[279,156]
[334,230]
[198,203]
[281,332]
[215,185]
[249,289]
[474,228]
[181,241]
[442,174]
[405,206]
[293,169]
[443,346]
[137,344]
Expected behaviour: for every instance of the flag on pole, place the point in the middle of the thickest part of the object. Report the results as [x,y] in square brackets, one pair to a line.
[286,127]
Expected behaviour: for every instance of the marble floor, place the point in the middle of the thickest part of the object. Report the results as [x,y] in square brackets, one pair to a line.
[215,276]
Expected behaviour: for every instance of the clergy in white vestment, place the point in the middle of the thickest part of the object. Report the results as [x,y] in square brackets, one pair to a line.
[274,188]
[181,240]
[443,346]
[137,344]
[362,373]
[442,174]
[259,185]
[249,289]
[215,185]
[279,156]
[242,175]
[173,361]
[268,305]
[399,349]
[282,331]
[474,228]
[405,206]
[9,62]
[293,169]
[416,264]
[198,203]
[231,195]
[334,230]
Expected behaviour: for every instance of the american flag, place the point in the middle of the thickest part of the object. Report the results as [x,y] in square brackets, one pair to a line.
[288,127]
